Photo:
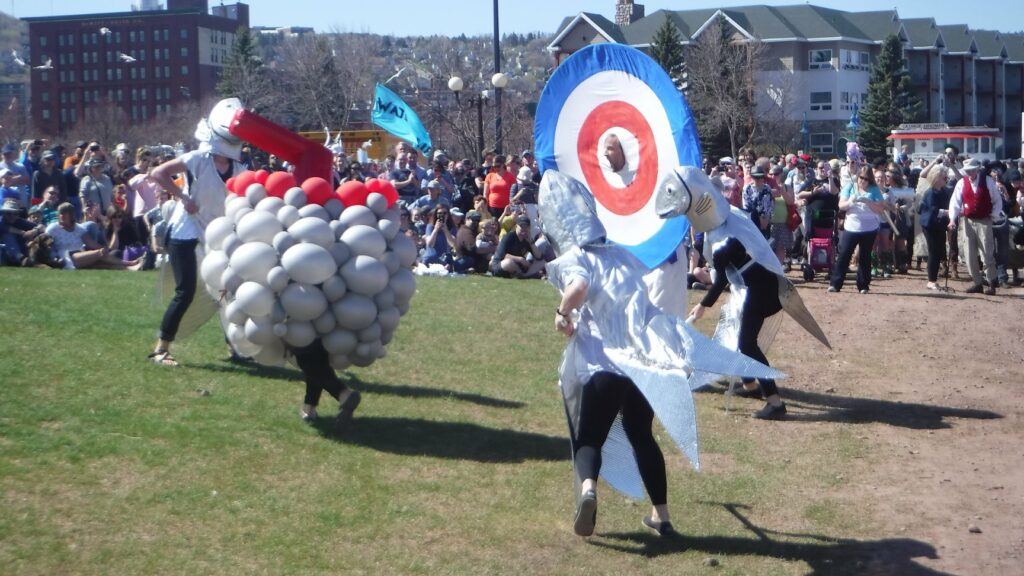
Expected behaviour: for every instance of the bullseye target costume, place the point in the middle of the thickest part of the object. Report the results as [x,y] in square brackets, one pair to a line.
[626,360]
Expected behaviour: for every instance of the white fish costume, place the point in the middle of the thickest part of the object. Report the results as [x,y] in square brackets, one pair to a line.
[686,190]
[619,330]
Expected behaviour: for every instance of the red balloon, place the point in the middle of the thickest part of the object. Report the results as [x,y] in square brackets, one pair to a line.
[318,190]
[278,183]
[243,181]
[261,176]
[230,184]
[389,192]
[352,193]
[373,184]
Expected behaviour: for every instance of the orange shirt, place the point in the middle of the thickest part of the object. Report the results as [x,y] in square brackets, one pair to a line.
[498,188]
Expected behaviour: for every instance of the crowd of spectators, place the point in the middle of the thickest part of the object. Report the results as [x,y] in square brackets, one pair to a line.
[100,208]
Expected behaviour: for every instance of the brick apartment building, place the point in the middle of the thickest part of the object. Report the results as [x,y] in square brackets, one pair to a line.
[178,55]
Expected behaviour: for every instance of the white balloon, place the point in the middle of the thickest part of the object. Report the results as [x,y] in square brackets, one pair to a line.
[253,260]
[325,323]
[314,211]
[280,329]
[283,241]
[234,313]
[404,285]
[365,240]
[230,244]
[230,280]
[406,250]
[340,342]
[354,311]
[295,197]
[365,275]
[308,263]
[217,230]
[277,279]
[337,227]
[391,261]
[255,193]
[334,208]
[212,269]
[340,362]
[303,301]
[233,204]
[242,212]
[312,230]
[271,355]
[388,228]
[341,253]
[334,288]
[255,299]
[300,334]
[393,214]
[385,298]
[376,202]
[260,330]
[370,333]
[270,204]
[258,226]
[288,215]
[358,215]
[388,318]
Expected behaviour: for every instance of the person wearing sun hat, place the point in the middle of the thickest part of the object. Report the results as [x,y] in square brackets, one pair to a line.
[976,198]
[15,232]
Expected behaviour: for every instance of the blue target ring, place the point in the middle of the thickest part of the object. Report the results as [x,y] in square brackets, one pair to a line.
[614,73]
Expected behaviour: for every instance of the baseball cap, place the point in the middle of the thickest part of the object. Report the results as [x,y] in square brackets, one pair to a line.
[457,212]
[525,174]
[523,220]
[9,147]
[434,184]
[473,215]
[726,160]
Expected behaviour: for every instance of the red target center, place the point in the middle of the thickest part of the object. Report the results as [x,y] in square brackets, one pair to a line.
[634,196]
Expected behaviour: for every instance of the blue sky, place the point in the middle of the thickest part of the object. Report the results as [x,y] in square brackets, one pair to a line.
[473,17]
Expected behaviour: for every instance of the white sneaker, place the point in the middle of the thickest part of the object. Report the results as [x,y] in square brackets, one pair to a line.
[933,286]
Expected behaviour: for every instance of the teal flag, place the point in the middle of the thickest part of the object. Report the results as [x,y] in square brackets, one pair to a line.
[392,114]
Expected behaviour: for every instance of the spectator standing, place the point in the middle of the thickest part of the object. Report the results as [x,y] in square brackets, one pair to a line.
[524,192]
[498,186]
[404,179]
[933,211]
[757,201]
[977,199]
[48,176]
[862,201]
[20,179]
[96,187]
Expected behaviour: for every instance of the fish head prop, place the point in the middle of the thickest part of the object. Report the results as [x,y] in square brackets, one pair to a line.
[687,191]
[568,213]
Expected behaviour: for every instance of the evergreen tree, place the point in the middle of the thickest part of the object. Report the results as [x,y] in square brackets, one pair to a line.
[890,101]
[667,51]
[244,75]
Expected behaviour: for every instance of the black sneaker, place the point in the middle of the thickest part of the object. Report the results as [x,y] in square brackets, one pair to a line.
[698,286]
[586,514]
[770,412]
[990,291]
[976,289]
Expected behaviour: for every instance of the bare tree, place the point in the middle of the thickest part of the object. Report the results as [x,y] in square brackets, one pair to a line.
[722,66]
[778,101]
[309,88]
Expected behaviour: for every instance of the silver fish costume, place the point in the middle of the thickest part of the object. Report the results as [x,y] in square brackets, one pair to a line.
[618,330]
[686,190]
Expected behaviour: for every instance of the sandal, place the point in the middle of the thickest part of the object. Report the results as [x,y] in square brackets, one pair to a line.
[162,358]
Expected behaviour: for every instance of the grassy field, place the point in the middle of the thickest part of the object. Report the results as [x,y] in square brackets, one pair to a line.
[457,462]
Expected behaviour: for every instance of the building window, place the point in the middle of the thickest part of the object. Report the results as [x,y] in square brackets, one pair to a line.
[71,39]
[156,72]
[184,52]
[44,76]
[45,96]
[819,59]
[142,35]
[46,114]
[95,58]
[142,94]
[60,40]
[86,96]
[119,73]
[184,70]
[117,37]
[74,97]
[167,53]
[110,74]
[167,71]
[42,41]
[60,58]
[71,58]
[95,39]
[71,76]
[120,95]
[166,33]
[74,115]
[142,73]
[865,59]
[131,36]
[95,75]
[821,143]
[821,100]
[133,74]
[135,94]
[63,115]
[184,34]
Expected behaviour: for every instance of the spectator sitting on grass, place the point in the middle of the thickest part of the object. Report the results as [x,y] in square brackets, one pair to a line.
[439,238]
[517,256]
[7,188]
[78,249]
[120,231]
[48,207]
[466,257]
[429,201]
[487,239]
[15,233]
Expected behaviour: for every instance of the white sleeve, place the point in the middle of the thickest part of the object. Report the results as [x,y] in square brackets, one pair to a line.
[997,200]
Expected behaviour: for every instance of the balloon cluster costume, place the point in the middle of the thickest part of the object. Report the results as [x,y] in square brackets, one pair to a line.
[619,335]
[741,256]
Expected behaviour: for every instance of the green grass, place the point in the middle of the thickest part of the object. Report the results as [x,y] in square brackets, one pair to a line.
[457,462]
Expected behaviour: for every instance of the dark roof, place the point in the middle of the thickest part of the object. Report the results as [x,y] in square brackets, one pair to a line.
[990,43]
[922,32]
[1014,46]
[603,24]
[113,15]
[958,38]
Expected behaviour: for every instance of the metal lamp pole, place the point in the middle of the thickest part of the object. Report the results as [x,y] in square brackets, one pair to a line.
[497,91]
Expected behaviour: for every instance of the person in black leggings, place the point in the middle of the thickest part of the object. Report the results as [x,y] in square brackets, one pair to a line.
[934,222]
[319,375]
[761,302]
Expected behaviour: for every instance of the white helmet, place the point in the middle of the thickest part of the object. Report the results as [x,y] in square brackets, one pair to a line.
[687,191]
[213,132]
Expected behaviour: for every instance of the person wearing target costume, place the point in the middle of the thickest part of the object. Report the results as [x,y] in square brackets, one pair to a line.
[740,256]
[625,361]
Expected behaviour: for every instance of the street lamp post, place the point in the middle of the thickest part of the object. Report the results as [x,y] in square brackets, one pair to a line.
[805,133]
[499,81]
[854,122]
[495,80]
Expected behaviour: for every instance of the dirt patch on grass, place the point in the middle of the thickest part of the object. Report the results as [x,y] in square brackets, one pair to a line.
[925,389]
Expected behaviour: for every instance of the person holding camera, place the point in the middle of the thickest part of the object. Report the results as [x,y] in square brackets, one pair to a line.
[440,237]
[95,187]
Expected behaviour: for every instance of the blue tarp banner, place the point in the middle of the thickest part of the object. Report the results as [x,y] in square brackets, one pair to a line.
[392,114]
